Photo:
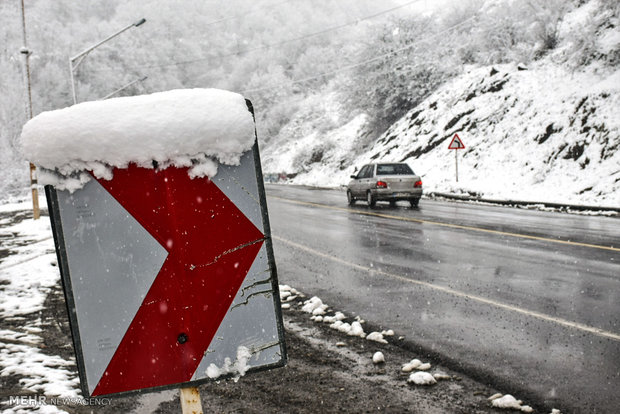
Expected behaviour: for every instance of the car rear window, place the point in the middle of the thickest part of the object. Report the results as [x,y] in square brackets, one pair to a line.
[394,169]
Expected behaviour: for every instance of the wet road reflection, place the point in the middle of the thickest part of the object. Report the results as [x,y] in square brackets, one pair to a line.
[540,317]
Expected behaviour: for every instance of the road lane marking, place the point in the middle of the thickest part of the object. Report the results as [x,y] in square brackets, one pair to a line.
[450,225]
[534,314]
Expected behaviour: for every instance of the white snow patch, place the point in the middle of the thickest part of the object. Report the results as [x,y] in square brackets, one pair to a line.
[377,337]
[411,365]
[185,128]
[239,367]
[39,372]
[509,402]
[356,329]
[26,278]
[378,357]
[315,306]
[338,316]
[416,364]
[422,378]
[288,294]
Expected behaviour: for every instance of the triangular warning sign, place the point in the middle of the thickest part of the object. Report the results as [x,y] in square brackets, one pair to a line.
[456,143]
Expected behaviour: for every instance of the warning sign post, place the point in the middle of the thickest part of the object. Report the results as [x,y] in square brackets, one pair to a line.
[170,281]
[456,144]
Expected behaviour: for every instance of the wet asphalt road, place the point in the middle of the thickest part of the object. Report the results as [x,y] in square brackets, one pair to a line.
[526,300]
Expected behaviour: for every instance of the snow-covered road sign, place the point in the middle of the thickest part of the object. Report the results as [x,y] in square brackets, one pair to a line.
[169,279]
[456,143]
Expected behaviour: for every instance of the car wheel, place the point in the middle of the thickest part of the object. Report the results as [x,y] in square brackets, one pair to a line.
[370,199]
[414,202]
[350,198]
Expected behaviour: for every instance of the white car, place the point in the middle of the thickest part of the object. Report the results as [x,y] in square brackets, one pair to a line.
[385,182]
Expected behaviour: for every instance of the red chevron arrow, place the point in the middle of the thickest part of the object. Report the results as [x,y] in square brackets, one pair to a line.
[211,245]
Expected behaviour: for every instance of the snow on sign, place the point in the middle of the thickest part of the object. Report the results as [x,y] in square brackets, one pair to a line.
[169,274]
[456,143]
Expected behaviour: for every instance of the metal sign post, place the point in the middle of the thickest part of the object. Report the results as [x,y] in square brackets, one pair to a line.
[169,279]
[456,144]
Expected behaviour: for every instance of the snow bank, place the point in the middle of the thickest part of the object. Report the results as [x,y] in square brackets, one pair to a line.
[184,128]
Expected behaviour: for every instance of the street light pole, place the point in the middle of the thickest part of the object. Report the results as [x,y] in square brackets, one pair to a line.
[76,60]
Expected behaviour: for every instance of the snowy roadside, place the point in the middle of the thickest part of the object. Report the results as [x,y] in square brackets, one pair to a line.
[328,352]
[27,274]
[418,373]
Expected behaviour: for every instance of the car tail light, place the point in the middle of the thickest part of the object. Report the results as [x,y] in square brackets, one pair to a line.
[418,184]
[381,184]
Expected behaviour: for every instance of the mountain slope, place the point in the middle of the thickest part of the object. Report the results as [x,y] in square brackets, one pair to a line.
[543,134]
[548,132]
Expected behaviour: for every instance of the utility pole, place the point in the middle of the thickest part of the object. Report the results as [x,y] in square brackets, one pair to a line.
[33,169]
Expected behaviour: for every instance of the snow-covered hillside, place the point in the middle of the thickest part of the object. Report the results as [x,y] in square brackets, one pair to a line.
[547,132]
[543,134]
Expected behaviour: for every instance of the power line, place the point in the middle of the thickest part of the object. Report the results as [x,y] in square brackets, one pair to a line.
[355,65]
[271,45]
[250,11]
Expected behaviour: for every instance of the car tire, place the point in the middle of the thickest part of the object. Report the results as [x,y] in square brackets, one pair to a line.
[414,202]
[370,199]
[350,198]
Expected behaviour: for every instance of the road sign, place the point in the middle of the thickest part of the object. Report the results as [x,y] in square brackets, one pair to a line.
[456,143]
[167,277]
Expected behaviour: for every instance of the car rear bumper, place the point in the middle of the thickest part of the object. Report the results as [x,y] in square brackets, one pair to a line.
[389,194]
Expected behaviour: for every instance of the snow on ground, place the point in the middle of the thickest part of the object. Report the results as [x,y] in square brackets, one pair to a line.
[509,402]
[27,275]
[290,296]
[378,357]
[186,128]
[416,364]
[31,265]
